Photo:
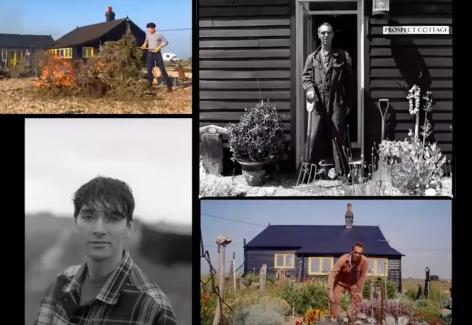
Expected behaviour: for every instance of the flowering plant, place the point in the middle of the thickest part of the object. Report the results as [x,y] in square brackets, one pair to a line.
[416,163]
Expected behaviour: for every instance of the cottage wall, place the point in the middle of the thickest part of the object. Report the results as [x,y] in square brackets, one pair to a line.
[247,53]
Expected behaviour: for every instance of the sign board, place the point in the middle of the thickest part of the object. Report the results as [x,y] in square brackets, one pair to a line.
[415,30]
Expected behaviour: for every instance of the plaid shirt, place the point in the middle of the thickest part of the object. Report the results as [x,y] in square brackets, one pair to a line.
[127,297]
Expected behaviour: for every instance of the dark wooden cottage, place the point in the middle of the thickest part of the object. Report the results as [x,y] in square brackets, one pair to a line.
[307,251]
[84,42]
[15,48]
[256,49]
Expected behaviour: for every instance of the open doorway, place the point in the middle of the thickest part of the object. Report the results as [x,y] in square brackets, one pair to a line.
[347,19]
[345,37]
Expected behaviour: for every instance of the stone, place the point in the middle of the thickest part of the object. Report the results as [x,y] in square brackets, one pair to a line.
[402,320]
[390,320]
[430,192]
[371,320]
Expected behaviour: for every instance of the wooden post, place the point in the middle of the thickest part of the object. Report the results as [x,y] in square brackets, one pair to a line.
[221,241]
[262,277]
[234,273]
[382,293]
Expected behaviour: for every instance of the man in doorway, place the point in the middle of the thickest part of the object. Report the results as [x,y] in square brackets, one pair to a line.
[329,84]
[154,42]
[108,288]
[348,274]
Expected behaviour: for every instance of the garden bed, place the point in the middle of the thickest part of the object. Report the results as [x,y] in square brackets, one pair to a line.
[21,97]
[285,185]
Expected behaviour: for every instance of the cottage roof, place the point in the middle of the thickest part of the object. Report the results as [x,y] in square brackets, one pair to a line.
[87,34]
[323,240]
[17,41]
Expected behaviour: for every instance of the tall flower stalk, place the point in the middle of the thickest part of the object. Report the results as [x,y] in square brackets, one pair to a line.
[414,105]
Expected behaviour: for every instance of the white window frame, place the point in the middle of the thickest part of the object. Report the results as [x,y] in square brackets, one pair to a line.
[85,50]
[62,53]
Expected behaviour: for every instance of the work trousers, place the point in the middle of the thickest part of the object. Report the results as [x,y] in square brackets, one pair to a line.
[356,299]
[152,60]
[326,127]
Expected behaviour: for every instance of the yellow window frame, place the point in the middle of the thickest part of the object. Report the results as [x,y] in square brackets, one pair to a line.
[375,262]
[320,268]
[63,53]
[87,52]
[284,264]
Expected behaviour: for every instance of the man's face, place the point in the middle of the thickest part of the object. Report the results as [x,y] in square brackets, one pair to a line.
[151,30]
[325,34]
[102,230]
[357,253]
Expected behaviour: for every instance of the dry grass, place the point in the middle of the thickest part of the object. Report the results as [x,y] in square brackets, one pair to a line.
[19,96]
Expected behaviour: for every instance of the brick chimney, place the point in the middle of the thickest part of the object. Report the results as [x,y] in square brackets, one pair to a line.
[109,14]
[349,217]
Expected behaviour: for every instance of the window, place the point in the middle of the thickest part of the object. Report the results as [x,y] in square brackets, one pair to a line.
[87,52]
[320,265]
[65,53]
[284,261]
[378,267]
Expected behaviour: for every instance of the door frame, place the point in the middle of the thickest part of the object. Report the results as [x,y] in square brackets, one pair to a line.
[303,33]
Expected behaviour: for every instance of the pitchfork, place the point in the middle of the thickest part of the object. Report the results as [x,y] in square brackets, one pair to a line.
[306,168]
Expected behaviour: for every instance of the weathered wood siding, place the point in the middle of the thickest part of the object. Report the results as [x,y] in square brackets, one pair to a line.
[255,258]
[395,63]
[245,57]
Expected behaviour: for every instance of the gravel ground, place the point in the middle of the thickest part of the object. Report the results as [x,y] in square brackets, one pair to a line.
[285,185]
[21,97]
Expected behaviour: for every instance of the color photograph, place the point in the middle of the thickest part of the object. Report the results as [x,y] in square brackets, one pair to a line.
[93,57]
[326,261]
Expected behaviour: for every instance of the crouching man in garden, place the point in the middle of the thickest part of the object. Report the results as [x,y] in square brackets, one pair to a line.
[107,288]
[348,274]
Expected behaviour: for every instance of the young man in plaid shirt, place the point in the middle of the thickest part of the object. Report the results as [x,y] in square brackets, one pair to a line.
[108,288]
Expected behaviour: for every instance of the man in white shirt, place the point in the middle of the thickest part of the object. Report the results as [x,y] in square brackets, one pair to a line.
[154,42]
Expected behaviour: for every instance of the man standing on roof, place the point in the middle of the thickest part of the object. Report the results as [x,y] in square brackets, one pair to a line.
[348,274]
[154,42]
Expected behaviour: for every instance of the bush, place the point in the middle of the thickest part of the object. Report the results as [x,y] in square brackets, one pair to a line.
[427,311]
[254,309]
[207,308]
[303,296]
[258,136]
[391,288]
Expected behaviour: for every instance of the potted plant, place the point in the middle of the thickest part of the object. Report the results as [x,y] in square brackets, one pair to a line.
[256,141]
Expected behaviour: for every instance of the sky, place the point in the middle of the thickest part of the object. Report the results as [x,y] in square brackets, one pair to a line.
[58,17]
[420,229]
[152,155]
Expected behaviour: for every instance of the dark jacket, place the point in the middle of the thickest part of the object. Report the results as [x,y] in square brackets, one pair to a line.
[336,86]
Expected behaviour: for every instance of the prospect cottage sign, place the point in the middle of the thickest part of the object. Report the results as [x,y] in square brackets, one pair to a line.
[415,30]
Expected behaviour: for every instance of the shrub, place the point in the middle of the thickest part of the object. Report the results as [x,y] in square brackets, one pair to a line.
[254,309]
[395,308]
[207,308]
[258,136]
[303,296]
[391,288]
[427,311]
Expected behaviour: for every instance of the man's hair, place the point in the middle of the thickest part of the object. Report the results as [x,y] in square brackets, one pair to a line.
[151,25]
[358,244]
[115,193]
[325,24]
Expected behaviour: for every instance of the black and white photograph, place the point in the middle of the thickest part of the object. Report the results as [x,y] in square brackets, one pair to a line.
[325,98]
[108,221]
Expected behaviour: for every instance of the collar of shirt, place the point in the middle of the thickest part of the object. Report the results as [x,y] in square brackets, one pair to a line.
[110,291]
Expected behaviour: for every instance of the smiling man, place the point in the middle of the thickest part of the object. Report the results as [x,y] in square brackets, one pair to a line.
[108,288]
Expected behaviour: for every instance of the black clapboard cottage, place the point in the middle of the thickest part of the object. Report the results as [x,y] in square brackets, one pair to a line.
[16,48]
[306,251]
[84,42]
[256,49]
